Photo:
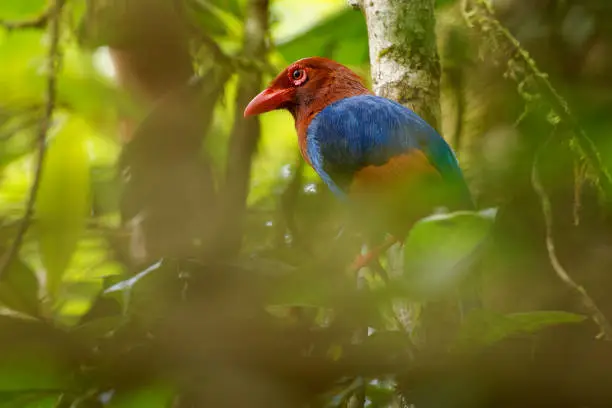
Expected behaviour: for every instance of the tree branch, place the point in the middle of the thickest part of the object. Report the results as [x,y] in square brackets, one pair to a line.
[245,132]
[589,304]
[36,22]
[52,67]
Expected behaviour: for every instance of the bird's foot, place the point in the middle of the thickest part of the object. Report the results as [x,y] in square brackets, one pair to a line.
[364,260]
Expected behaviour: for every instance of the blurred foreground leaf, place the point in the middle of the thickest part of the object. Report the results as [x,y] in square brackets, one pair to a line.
[34,358]
[154,396]
[486,327]
[29,400]
[21,9]
[440,249]
[63,206]
[19,289]
[20,80]
[329,39]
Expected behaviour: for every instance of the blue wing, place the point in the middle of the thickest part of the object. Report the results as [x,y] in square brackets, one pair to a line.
[368,130]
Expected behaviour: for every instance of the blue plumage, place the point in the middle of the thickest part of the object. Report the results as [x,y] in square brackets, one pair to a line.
[367,130]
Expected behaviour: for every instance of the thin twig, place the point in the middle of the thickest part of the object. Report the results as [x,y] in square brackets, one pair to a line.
[53,63]
[579,177]
[596,314]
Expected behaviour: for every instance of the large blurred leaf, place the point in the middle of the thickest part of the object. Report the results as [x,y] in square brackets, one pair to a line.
[154,396]
[29,400]
[342,36]
[63,205]
[21,80]
[486,327]
[290,18]
[217,19]
[19,289]
[31,369]
[34,357]
[21,9]
[440,249]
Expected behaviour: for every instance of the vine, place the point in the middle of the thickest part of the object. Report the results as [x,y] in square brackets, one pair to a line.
[534,86]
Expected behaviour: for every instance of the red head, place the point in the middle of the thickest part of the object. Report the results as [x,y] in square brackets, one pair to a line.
[306,87]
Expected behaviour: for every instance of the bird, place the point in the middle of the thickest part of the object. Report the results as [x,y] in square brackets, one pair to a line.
[372,152]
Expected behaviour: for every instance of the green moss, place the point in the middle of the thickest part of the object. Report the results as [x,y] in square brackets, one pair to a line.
[385,51]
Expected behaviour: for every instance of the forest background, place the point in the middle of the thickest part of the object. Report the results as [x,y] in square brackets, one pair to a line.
[160,250]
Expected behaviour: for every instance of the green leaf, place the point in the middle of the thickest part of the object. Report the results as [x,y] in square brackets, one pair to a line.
[29,400]
[21,81]
[343,37]
[19,289]
[154,396]
[63,203]
[483,327]
[380,395]
[216,19]
[445,3]
[33,367]
[21,9]
[440,249]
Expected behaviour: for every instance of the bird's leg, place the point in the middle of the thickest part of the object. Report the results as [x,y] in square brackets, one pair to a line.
[364,260]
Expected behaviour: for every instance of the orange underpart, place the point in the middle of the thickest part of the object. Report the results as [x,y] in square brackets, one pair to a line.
[400,169]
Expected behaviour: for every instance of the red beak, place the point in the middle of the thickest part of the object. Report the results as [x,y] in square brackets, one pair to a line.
[267,100]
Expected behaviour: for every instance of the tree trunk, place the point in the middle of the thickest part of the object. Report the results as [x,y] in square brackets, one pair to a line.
[403,53]
[406,68]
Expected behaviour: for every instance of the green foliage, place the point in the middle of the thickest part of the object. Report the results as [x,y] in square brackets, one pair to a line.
[328,39]
[13,10]
[32,367]
[63,204]
[21,82]
[154,396]
[19,289]
[441,249]
[485,327]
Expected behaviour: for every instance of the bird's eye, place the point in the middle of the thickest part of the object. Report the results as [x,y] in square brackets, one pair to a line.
[298,74]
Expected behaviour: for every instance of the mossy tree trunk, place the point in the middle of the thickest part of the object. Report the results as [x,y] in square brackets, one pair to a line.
[406,68]
[403,53]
